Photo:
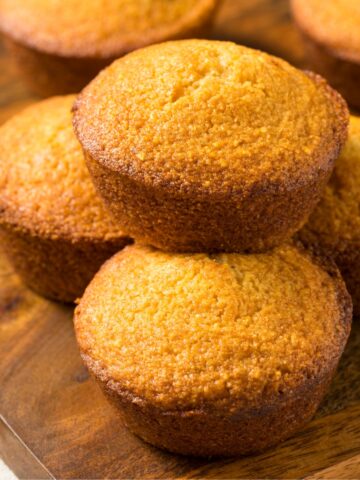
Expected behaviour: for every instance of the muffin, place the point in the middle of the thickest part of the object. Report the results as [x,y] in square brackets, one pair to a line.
[221,354]
[334,226]
[203,145]
[53,226]
[332,39]
[61,46]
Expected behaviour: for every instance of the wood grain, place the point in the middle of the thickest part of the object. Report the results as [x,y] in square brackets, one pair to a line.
[58,422]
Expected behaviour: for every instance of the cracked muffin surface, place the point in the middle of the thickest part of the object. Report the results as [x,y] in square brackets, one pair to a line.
[334,226]
[207,115]
[219,332]
[106,28]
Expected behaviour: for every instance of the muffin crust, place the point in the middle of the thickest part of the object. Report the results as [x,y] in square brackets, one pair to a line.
[50,213]
[334,226]
[332,24]
[205,341]
[332,41]
[47,74]
[99,29]
[58,52]
[217,139]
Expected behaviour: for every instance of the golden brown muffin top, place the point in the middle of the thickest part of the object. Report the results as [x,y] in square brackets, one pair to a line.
[44,182]
[100,28]
[185,331]
[332,23]
[209,117]
[336,219]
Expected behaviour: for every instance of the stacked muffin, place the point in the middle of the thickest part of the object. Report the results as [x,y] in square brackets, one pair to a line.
[215,334]
[223,339]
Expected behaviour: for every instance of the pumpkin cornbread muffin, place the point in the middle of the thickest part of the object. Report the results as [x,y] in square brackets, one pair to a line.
[209,146]
[220,354]
[334,226]
[53,226]
[61,45]
[332,34]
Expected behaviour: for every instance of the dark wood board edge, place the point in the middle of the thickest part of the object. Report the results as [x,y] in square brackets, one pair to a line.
[18,456]
[347,470]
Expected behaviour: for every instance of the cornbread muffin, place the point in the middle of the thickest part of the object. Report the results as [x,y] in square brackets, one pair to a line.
[220,354]
[209,146]
[61,45]
[53,226]
[332,38]
[334,226]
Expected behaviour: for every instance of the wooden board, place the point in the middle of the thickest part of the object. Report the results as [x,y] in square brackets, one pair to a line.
[54,420]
